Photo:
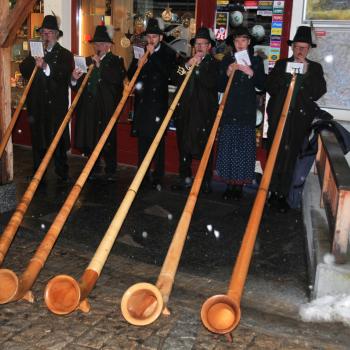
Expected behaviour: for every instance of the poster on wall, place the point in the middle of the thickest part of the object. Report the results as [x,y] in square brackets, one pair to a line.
[330,10]
[221,25]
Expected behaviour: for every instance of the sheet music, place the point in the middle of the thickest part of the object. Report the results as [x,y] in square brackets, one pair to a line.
[138,52]
[80,62]
[242,57]
[36,48]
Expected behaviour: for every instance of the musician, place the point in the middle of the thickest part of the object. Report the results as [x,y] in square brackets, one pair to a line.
[99,100]
[151,99]
[47,101]
[197,108]
[237,146]
[310,86]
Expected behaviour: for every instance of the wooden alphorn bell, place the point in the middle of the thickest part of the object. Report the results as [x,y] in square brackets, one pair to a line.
[13,288]
[63,294]
[15,116]
[221,313]
[17,217]
[143,302]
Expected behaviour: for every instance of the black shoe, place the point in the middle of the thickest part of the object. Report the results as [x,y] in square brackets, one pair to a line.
[111,176]
[62,175]
[157,185]
[237,191]
[182,184]
[273,200]
[228,193]
[283,206]
[206,187]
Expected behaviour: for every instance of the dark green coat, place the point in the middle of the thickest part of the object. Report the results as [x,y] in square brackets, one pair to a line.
[98,101]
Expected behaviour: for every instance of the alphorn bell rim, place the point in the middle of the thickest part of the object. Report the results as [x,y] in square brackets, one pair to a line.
[131,293]
[8,286]
[220,314]
[59,305]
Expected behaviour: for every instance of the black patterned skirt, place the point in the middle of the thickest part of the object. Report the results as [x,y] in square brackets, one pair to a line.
[236,153]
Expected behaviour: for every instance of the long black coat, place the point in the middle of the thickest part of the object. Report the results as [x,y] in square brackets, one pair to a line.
[197,107]
[99,100]
[151,91]
[47,101]
[309,88]
[240,108]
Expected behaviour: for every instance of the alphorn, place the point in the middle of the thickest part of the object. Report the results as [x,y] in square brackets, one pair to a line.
[13,288]
[143,302]
[15,116]
[221,313]
[17,217]
[63,294]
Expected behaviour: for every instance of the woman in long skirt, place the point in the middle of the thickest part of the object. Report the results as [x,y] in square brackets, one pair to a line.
[236,147]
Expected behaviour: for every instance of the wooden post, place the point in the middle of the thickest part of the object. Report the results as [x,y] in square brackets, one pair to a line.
[6,174]
[9,24]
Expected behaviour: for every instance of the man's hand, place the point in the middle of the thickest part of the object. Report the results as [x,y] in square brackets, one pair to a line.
[150,48]
[40,63]
[76,74]
[97,60]
[245,69]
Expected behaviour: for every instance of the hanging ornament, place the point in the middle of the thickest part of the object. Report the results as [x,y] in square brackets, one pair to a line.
[124,42]
[186,19]
[166,14]
[139,25]
[148,14]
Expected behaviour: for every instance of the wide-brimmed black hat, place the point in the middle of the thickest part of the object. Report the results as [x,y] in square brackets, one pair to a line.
[153,27]
[303,35]
[101,35]
[50,22]
[239,31]
[203,33]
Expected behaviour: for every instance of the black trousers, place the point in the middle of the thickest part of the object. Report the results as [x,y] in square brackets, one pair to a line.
[60,155]
[144,143]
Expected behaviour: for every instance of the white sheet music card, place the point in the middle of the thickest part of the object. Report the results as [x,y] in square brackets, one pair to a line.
[36,48]
[242,57]
[295,67]
[80,62]
[138,52]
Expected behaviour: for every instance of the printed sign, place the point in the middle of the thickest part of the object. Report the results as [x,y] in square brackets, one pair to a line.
[274,54]
[295,67]
[265,5]
[278,7]
[221,25]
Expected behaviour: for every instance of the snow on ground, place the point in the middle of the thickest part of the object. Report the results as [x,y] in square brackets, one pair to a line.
[327,309]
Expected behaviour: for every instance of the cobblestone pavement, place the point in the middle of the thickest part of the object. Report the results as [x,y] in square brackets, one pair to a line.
[276,286]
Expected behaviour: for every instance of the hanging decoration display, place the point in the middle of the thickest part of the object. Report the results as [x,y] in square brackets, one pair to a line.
[167,14]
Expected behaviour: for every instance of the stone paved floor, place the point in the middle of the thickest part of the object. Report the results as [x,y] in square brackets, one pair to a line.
[276,286]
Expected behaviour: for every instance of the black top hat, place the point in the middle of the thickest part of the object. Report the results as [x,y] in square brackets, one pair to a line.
[50,22]
[239,31]
[153,27]
[203,33]
[303,35]
[101,35]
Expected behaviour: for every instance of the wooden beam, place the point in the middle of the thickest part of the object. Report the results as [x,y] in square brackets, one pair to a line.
[13,20]
[6,174]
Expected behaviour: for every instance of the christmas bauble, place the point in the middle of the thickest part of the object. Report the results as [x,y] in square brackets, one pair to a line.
[236,18]
[258,32]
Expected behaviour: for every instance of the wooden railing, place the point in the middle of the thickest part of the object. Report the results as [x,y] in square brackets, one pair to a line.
[334,176]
